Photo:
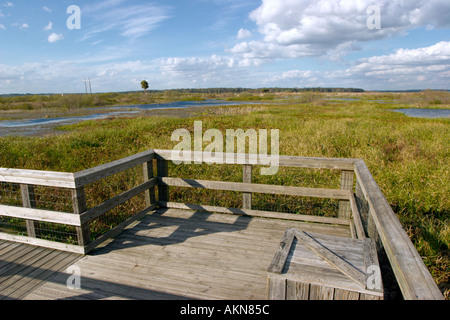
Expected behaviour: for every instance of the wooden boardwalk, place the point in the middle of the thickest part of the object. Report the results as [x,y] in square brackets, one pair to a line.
[178,254]
[24,268]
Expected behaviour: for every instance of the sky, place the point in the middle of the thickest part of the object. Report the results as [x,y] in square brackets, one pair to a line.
[52,46]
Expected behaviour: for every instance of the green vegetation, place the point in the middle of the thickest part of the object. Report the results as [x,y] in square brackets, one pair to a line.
[144,85]
[408,157]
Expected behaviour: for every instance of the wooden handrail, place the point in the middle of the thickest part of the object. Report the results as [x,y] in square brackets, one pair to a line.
[38,178]
[85,177]
[256,188]
[238,158]
[413,277]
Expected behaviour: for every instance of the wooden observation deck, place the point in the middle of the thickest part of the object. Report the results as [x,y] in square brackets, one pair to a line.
[140,244]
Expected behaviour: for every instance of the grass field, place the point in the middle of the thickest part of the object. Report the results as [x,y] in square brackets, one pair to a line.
[408,157]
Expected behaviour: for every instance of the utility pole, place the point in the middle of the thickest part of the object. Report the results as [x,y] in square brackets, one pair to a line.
[85,85]
[90,85]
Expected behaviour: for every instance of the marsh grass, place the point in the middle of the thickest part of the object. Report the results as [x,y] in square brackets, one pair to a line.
[408,157]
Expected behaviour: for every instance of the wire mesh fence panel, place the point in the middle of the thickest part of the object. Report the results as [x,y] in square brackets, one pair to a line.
[298,177]
[109,187]
[56,232]
[116,216]
[10,194]
[37,197]
[213,172]
[14,226]
[295,204]
[217,198]
[51,198]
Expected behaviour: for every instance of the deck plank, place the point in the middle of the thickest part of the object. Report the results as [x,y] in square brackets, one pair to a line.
[24,267]
[181,254]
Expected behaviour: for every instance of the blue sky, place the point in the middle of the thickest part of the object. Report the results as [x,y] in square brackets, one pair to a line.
[223,43]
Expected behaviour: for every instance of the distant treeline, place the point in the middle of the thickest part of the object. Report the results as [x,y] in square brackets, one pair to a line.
[227,90]
[268,90]
[259,90]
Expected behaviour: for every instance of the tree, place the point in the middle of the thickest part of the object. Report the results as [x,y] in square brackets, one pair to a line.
[144,85]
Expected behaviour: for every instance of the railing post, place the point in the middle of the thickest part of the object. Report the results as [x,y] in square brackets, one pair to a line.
[148,174]
[345,210]
[163,171]
[79,207]
[29,201]
[247,178]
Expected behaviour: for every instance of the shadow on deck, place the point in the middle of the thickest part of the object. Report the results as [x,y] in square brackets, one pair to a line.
[170,254]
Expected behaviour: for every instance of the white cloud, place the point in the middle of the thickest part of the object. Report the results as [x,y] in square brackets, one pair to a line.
[8,4]
[334,28]
[260,51]
[295,74]
[331,22]
[47,9]
[54,37]
[24,26]
[402,68]
[243,33]
[2,27]
[133,22]
[49,26]
[207,72]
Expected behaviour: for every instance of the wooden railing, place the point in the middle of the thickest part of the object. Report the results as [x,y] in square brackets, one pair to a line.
[362,206]
[81,215]
[411,274]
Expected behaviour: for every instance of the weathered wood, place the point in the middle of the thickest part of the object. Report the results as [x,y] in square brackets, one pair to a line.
[357,218]
[284,161]
[356,275]
[170,252]
[79,207]
[324,263]
[85,177]
[346,184]
[256,213]
[277,289]
[352,230]
[29,201]
[255,188]
[147,168]
[277,264]
[297,290]
[162,171]
[36,177]
[371,264]
[42,243]
[340,294]
[36,272]
[412,275]
[116,201]
[321,292]
[40,215]
[247,178]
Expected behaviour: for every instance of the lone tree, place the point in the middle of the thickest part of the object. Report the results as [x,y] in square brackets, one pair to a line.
[144,85]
